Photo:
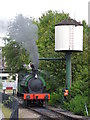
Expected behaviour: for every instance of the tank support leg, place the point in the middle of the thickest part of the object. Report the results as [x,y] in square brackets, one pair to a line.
[68,70]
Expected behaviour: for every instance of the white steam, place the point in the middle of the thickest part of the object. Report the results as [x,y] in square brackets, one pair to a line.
[23,30]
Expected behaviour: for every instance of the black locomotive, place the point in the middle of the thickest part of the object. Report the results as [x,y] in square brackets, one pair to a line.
[32,87]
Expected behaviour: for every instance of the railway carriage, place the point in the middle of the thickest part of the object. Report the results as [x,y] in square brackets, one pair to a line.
[9,82]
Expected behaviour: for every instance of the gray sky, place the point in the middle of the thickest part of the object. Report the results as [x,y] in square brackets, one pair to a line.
[78,9]
[35,8]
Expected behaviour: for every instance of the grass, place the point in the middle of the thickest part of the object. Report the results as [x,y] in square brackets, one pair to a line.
[0,85]
[6,111]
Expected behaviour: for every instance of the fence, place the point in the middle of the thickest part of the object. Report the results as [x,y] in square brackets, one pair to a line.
[10,102]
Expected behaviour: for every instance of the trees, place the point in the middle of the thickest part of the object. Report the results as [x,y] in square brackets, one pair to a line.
[80,88]
[24,33]
[15,56]
[57,69]
[46,45]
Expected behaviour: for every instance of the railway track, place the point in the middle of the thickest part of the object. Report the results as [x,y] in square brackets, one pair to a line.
[58,114]
[48,114]
[52,113]
[66,115]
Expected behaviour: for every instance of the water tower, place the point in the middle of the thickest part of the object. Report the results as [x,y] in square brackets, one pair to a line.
[68,38]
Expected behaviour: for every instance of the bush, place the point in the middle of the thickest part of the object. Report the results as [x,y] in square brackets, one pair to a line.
[77,105]
[56,97]
[7,102]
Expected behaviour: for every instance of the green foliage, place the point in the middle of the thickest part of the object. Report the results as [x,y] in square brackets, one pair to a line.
[57,69]
[0,85]
[77,105]
[15,56]
[9,100]
[56,97]
[79,91]
[6,111]
[46,45]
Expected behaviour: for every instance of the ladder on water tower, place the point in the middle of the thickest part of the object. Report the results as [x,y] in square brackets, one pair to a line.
[71,38]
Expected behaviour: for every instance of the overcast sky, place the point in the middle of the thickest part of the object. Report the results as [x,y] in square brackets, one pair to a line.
[78,9]
[35,8]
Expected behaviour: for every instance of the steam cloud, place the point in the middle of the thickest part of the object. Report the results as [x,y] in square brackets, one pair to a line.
[23,30]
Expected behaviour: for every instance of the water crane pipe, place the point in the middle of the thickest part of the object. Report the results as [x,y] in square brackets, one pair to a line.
[52,59]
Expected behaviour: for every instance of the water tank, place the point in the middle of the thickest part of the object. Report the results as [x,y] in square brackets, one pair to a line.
[69,36]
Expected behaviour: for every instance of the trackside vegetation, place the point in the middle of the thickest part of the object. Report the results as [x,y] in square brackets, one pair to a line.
[6,111]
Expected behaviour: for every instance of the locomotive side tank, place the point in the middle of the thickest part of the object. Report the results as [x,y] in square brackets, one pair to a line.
[32,87]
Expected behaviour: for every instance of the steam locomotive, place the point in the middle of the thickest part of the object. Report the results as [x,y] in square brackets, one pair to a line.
[31,86]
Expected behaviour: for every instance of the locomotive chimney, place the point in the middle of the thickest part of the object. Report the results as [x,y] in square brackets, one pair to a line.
[33,70]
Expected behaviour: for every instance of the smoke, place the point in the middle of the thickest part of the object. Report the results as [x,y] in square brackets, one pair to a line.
[23,30]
